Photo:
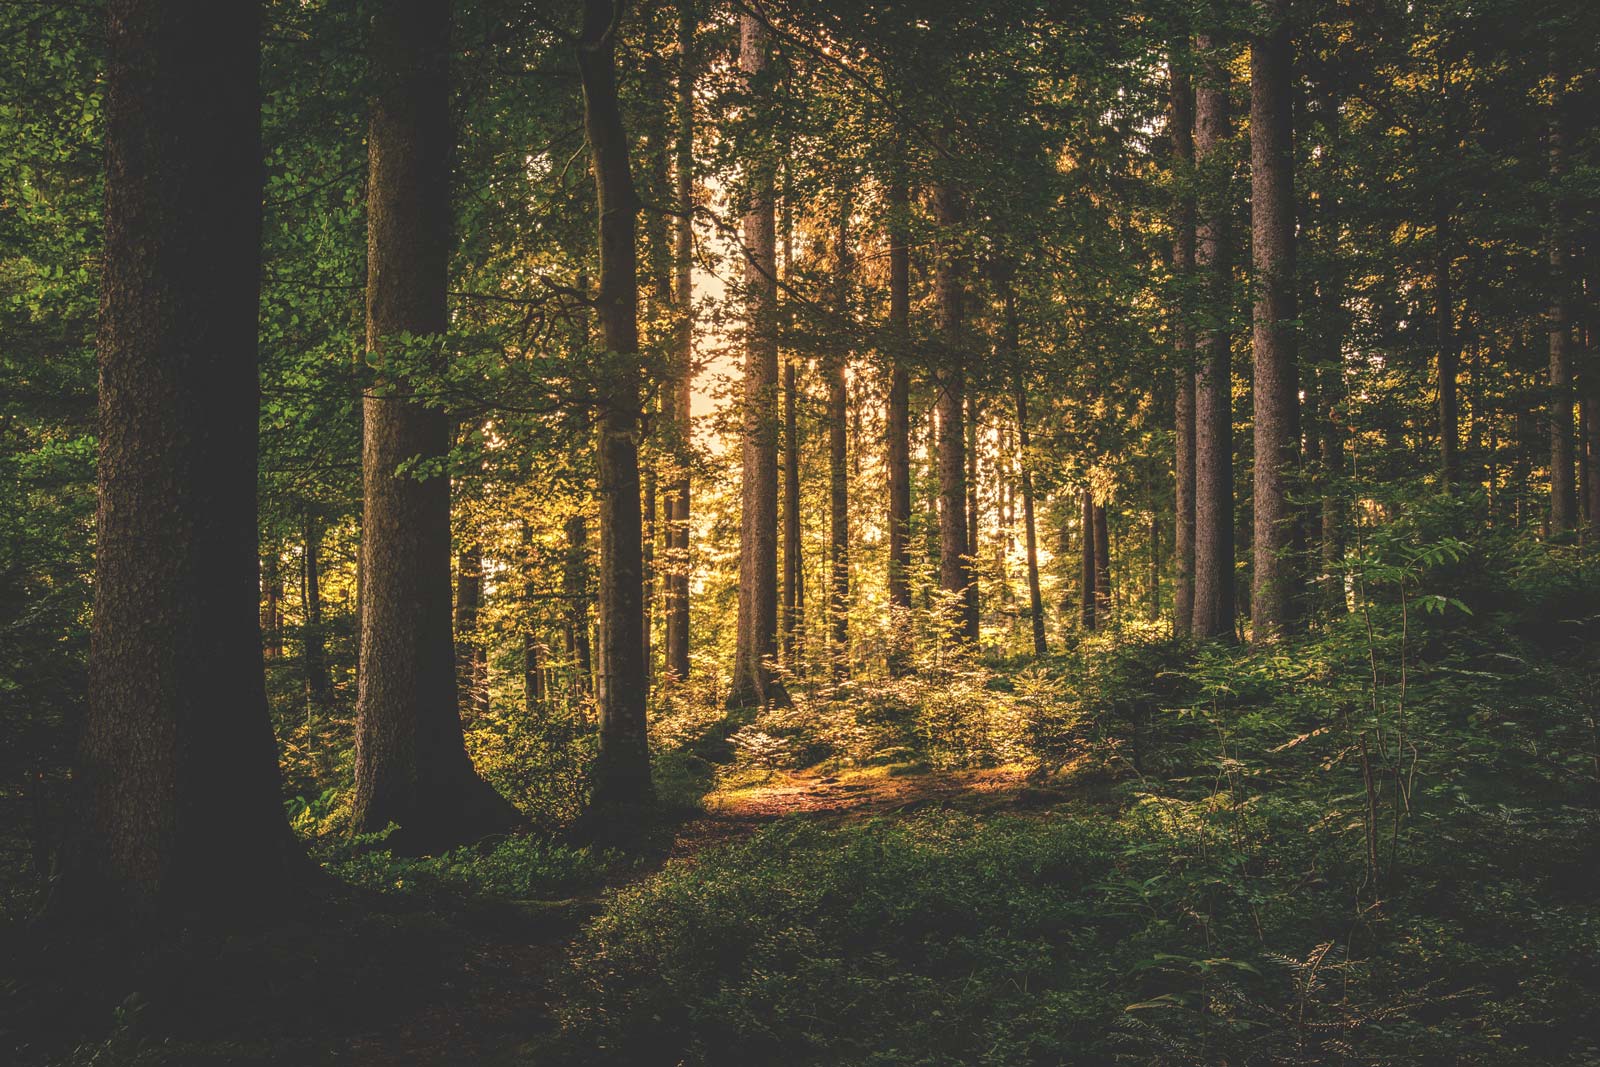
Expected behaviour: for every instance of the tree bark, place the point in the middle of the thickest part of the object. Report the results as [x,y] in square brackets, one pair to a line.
[575,591]
[838,469]
[621,774]
[1563,494]
[955,559]
[794,587]
[179,808]
[1090,569]
[272,606]
[1213,573]
[314,655]
[682,386]
[411,762]
[756,638]
[1449,365]
[898,445]
[1274,599]
[1180,123]
[471,681]
[1030,529]
[1102,564]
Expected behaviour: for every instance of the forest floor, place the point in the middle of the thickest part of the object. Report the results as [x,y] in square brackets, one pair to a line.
[504,995]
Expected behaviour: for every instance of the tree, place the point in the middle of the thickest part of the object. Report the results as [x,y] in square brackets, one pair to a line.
[622,770]
[1180,131]
[838,464]
[758,521]
[1563,494]
[412,767]
[179,806]
[898,416]
[955,557]
[1088,572]
[1274,592]
[681,389]
[1213,551]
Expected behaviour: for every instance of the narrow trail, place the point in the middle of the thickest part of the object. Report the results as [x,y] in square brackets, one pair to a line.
[504,993]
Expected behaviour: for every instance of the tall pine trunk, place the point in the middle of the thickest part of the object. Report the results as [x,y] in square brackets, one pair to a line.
[1029,526]
[1089,569]
[838,468]
[1102,564]
[1213,551]
[682,385]
[1180,121]
[179,805]
[1563,493]
[1448,368]
[898,445]
[411,762]
[1274,599]
[314,655]
[621,774]
[955,560]
[756,637]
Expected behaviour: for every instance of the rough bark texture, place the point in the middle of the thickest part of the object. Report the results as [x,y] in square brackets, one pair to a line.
[1030,528]
[1213,550]
[839,470]
[179,806]
[1563,493]
[955,559]
[1274,596]
[682,385]
[1181,129]
[1086,573]
[756,637]
[898,444]
[621,772]
[412,767]
[319,686]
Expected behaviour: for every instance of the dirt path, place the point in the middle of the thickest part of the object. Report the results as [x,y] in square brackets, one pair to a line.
[503,995]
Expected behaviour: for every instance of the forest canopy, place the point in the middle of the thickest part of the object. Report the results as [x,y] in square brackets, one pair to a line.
[800,531]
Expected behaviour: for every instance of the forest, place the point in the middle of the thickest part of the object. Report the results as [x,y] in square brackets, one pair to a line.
[788,532]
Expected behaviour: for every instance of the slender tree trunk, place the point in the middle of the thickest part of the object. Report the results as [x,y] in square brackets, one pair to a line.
[756,641]
[272,607]
[1154,611]
[575,591]
[899,422]
[955,560]
[794,589]
[319,687]
[1180,121]
[1275,595]
[974,415]
[533,651]
[1213,585]
[471,682]
[412,767]
[179,806]
[1563,495]
[1030,529]
[678,562]
[838,470]
[621,774]
[1449,367]
[1332,441]
[1087,574]
[1102,564]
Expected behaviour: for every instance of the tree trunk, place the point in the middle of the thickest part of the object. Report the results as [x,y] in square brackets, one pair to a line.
[1029,527]
[974,414]
[1102,564]
[756,639]
[179,799]
[1086,585]
[898,445]
[575,591]
[1213,552]
[1154,610]
[412,767]
[794,589]
[838,470]
[471,680]
[955,560]
[682,387]
[1563,494]
[621,773]
[314,656]
[1180,123]
[1275,591]
[272,605]
[1449,367]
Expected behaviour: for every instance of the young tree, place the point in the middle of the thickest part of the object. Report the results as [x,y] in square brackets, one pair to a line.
[412,767]
[621,773]
[756,640]
[179,796]
[1274,591]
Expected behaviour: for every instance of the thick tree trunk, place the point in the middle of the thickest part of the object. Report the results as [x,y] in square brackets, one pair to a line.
[1180,121]
[838,470]
[621,774]
[1030,529]
[179,807]
[1563,494]
[898,445]
[1213,552]
[681,388]
[955,559]
[319,686]
[1087,573]
[471,679]
[1102,564]
[412,767]
[575,591]
[756,638]
[1275,592]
